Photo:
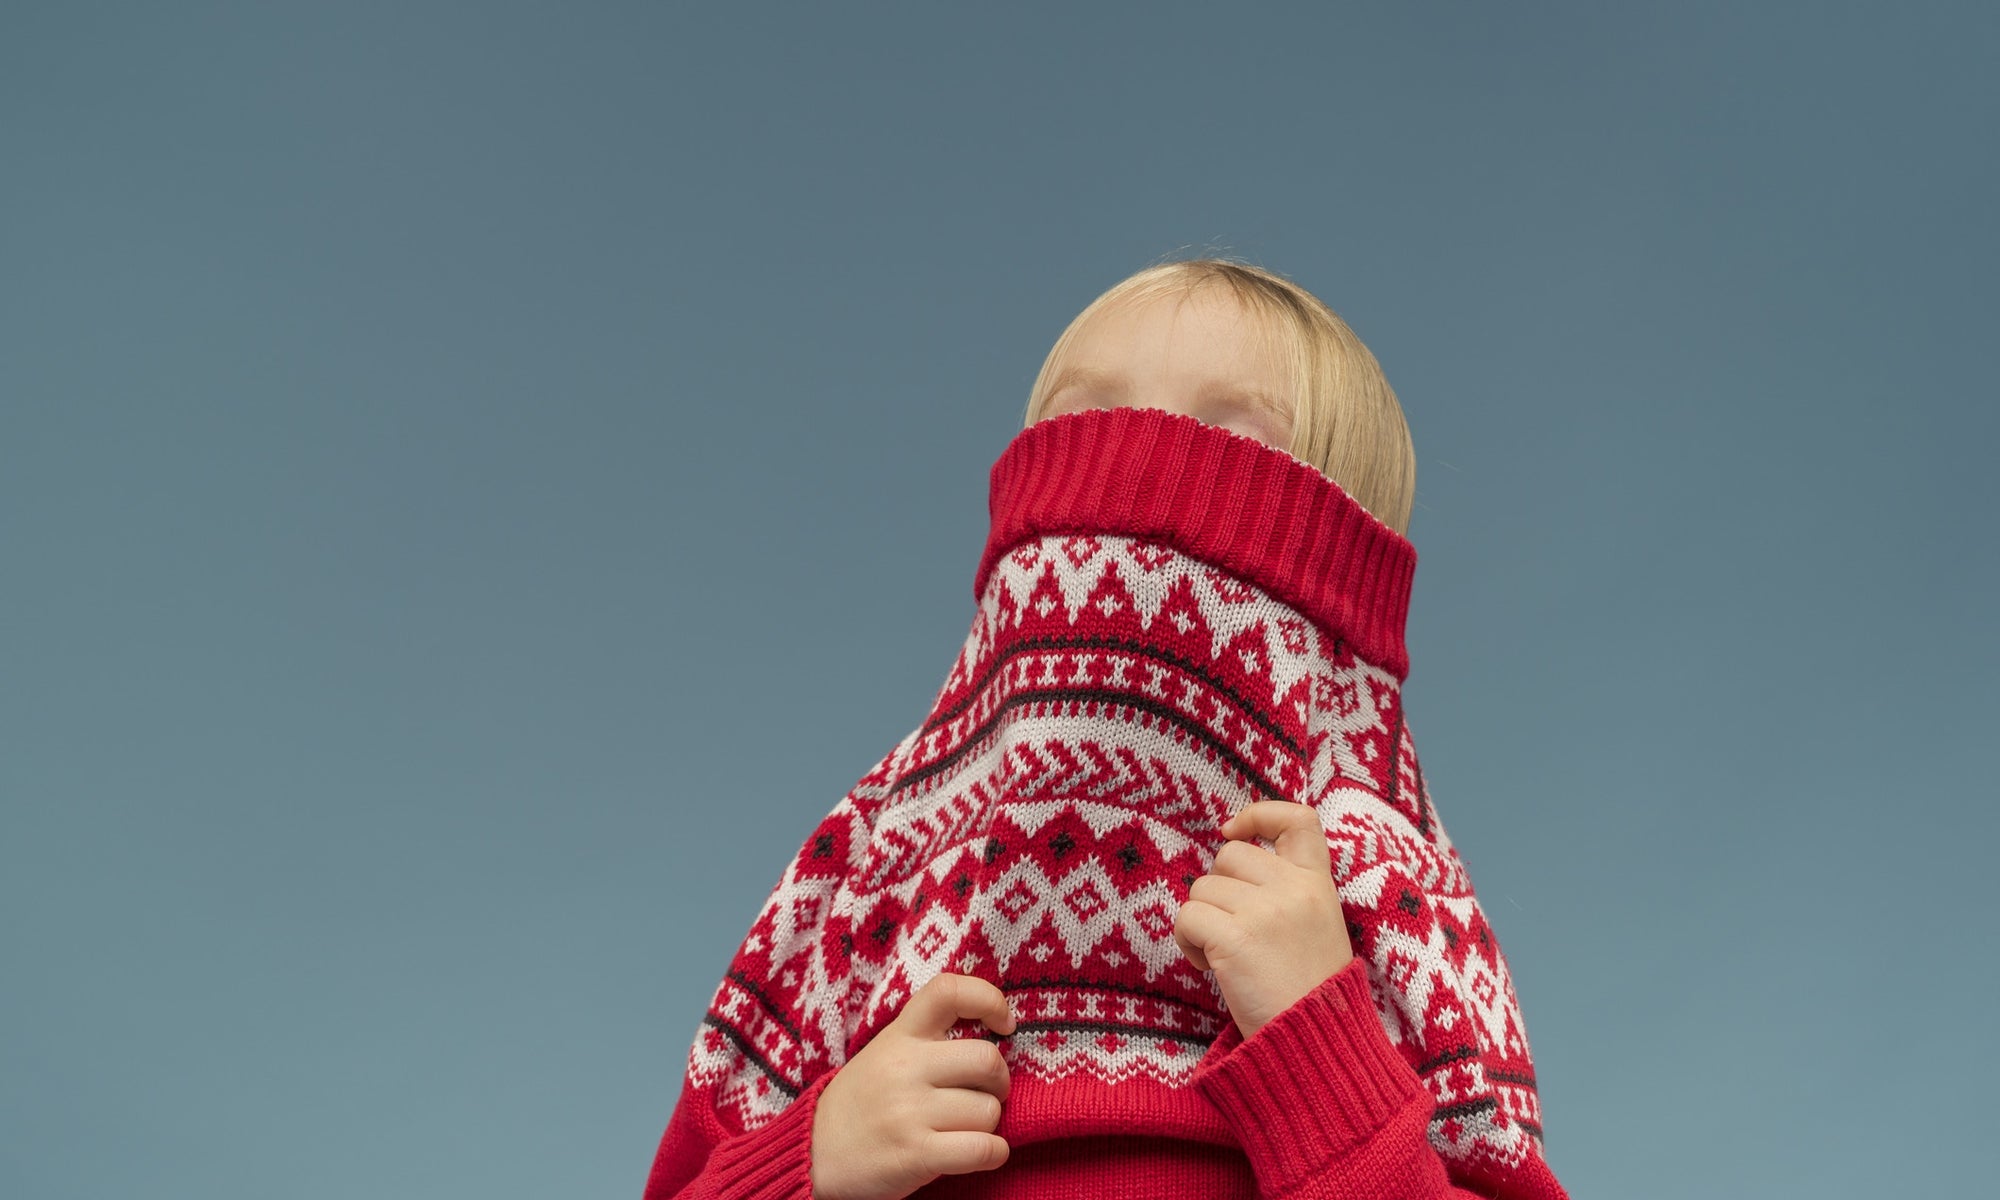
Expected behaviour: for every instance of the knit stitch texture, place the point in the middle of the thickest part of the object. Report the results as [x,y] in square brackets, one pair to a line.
[1173,621]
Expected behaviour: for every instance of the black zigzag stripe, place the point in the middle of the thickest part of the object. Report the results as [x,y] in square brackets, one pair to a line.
[742,1044]
[1126,645]
[1074,982]
[1104,696]
[765,1002]
[1151,1031]
[1450,1056]
[1423,805]
[1517,1078]
[1464,1109]
[1395,769]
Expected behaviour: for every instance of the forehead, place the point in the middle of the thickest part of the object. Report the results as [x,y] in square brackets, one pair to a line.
[1227,345]
[1213,305]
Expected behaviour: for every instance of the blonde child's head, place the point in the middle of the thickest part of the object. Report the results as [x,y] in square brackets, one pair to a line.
[1241,347]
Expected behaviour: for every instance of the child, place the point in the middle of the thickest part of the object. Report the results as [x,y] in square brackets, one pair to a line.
[1163,832]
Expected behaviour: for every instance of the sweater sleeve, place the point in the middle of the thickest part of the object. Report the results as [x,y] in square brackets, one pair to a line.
[1323,1104]
[699,1159]
[1328,1106]
[774,1033]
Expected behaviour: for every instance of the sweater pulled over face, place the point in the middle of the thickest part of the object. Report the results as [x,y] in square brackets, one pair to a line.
[1173,621]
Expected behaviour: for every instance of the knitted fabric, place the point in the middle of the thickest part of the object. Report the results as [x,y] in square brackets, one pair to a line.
[1173,620]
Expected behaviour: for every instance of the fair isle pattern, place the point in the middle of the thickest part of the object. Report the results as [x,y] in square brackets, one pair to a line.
[774,1022]
[1114,702]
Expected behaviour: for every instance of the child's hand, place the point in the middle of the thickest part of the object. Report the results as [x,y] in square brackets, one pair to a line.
[913,1104]
[1268,924]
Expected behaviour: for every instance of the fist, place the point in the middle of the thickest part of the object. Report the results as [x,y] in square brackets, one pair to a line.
[1268,922]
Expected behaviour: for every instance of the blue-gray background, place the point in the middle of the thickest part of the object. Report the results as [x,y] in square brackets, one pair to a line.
[479,481]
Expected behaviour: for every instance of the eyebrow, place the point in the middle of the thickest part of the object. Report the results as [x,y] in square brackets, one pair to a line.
[1091,376]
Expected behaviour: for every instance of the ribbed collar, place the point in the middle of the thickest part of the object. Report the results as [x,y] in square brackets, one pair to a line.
[1215,495]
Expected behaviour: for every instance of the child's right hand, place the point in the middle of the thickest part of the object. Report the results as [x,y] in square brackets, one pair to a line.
[913,1104]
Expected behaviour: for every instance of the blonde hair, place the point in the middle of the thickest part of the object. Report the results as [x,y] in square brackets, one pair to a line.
[1345,418]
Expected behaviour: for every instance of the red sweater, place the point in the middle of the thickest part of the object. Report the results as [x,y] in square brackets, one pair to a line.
[1173,619]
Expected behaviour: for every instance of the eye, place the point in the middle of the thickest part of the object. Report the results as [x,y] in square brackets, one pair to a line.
[1076,399]
[1239,415]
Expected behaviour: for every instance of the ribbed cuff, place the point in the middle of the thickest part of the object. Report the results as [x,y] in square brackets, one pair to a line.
[1215,495]
[1313,1084]
[773,1162]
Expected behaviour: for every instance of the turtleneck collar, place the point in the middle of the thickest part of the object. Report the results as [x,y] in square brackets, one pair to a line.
[1217,496]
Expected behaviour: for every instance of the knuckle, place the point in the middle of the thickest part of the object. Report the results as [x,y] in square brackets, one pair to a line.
[920,1156]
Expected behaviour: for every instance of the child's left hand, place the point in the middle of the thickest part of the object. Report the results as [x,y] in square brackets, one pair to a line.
[1269,924]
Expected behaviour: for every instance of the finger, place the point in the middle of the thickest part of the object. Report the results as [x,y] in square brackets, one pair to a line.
[1261,817]
[949,998]
[961,1152]
[973,1063]
[1189,950]
[1249,862]
[962,1108]
[1293,829]
[1203,925]
[1230,894]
